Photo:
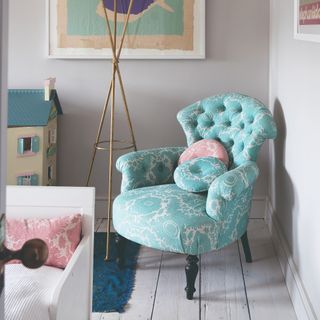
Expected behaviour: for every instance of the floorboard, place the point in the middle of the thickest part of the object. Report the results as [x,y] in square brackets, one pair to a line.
[140,305]
[171,302]
[110,316]
[224,285]
[95,316]
[222,288]
[266,290]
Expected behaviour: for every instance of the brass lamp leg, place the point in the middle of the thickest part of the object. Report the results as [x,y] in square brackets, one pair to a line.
[94,152]
[112,96]
[113,99]
[126,108]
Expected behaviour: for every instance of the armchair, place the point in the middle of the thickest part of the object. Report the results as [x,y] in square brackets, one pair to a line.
[152,210]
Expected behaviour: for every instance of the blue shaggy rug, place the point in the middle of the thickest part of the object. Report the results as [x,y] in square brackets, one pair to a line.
[112,286]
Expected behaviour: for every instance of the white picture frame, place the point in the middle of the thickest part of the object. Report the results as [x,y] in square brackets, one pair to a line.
[303,29]
[56,52]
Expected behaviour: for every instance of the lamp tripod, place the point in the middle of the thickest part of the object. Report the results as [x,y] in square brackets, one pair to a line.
[109,145]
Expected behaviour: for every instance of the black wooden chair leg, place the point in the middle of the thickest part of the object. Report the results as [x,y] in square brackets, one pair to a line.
[246,247]
[191,274]
[121,243]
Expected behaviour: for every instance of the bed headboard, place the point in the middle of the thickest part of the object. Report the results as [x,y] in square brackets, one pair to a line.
[75,286]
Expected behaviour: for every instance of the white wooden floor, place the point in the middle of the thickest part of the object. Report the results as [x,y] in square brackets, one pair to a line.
[227,287]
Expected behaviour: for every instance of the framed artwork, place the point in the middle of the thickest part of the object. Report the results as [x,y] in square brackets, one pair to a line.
[307,20]
[158,29]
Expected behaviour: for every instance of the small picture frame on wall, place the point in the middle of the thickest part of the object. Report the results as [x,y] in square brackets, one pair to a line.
[307,20]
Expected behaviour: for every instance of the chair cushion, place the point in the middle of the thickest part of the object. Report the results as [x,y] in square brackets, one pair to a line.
[166,217]
[205,148]
[196,175]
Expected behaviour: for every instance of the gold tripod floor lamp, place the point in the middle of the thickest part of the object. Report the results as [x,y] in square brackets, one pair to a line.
[112,144]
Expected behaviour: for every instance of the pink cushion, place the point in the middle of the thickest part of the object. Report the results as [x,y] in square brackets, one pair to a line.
[205,148]
[61,234]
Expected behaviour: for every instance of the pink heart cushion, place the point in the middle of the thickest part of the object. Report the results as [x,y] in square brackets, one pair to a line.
[205,148]
[61,234]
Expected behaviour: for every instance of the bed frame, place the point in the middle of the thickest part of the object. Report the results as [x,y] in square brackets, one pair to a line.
[72,298]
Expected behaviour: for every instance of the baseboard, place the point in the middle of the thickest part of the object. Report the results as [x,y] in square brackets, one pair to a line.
[257,208]
[101,207]
[298,294]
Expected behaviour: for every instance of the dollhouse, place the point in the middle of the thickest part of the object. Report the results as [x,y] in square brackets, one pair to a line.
[32,136]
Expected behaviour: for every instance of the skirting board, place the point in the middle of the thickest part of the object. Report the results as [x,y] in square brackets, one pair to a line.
[297,291]
[257,209]
[101,208]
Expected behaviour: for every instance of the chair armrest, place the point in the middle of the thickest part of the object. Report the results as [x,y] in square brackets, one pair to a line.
[148,167]
[75,286]
[229,186]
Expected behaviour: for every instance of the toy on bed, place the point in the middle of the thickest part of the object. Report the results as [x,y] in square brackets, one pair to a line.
[63,217]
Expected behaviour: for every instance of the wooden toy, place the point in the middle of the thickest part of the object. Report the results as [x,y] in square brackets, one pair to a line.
[32,136]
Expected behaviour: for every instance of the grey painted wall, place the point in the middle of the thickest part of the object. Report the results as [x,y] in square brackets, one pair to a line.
[3,114]
[294,188]
[237,40]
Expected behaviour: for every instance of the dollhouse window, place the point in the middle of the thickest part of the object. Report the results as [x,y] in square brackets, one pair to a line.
[28,145]
[27,142]
[28,180]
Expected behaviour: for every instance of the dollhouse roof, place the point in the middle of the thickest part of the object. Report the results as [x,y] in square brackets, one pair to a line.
[27,107]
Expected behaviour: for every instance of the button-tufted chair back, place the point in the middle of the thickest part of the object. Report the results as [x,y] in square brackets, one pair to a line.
[239,122]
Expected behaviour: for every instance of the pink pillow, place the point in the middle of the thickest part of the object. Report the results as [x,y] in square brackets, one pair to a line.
[205,148]
[61,234]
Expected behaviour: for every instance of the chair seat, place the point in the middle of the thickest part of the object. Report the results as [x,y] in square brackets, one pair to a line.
[166,217]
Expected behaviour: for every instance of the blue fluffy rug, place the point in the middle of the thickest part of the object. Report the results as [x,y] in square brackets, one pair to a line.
[112,286]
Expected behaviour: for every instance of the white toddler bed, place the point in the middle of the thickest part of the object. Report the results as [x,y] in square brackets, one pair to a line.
[50,293]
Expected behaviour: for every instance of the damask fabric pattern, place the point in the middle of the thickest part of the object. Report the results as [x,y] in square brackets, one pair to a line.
[148,167]
[197,174]
[227,187]
[239,122]
[168,218]
[165,217]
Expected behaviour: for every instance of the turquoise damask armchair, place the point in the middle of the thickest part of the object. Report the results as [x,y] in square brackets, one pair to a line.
[153,211]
